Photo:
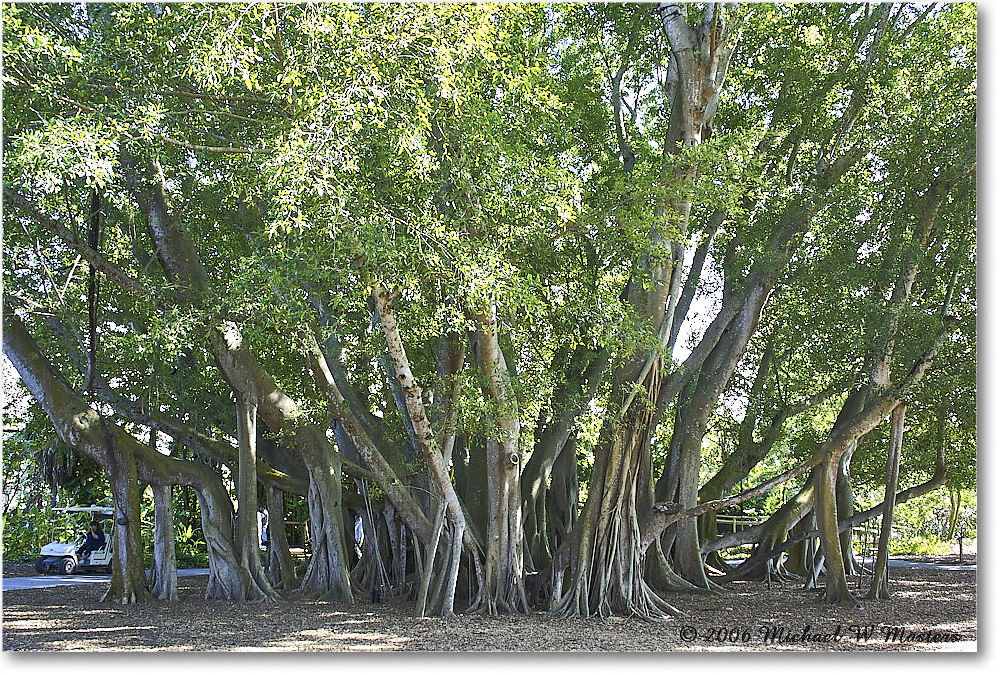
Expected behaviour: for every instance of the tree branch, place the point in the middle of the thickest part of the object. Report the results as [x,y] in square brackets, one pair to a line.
[213,148]
[110,270]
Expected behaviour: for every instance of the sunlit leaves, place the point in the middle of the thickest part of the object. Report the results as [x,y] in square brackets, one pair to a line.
[63,150]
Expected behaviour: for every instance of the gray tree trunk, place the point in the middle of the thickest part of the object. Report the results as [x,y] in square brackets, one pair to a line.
[504,591]
[280,565]
[247,539]
[164,555]
[880,578]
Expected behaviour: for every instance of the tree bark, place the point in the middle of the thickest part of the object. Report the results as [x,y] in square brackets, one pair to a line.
[247,540]
[879,589]
[327,576]
[128,578]
[437,457]
[608,570]
[837,591]
[827,515]
[280,565]
[562,500]
[845,507]
[164,555]
[504,565]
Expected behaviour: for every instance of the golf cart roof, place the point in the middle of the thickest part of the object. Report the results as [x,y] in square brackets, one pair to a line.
[102,510]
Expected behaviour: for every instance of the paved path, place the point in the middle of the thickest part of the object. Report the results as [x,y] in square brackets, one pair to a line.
[927,565]
[47,581]
[936,566]
[905,563]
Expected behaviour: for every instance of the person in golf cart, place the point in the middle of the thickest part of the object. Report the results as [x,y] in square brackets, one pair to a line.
[94,541]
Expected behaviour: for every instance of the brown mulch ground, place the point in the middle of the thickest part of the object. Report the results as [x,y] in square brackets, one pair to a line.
[930,610]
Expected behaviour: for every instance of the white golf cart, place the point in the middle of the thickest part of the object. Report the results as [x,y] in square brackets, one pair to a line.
[64,558]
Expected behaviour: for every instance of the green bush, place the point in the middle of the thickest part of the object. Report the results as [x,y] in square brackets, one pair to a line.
[928,515]
[191,549]
[920,544]
[24,534]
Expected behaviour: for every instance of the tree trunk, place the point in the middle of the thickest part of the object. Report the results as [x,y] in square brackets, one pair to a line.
[327,576]
[164,555]
[687,547]
[280,565]
[504,566]
[861,425]
[247,540]
[352,431]
[880,578]
[437,457]
[608,572]
[795,561]
[396,532]
[563,497]
[827,515]
[837,591]
[370,574]
[845,507]
[227,580]
[475,494]
[954,511]
[737,464]
[128,579]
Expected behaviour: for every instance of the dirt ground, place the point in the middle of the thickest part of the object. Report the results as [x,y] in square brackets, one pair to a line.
[930,610]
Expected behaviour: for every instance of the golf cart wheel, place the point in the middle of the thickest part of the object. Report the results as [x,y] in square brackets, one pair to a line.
[41,566]
[108,569]
[67,565]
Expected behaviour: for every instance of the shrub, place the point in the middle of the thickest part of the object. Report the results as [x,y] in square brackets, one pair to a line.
[24,534]
[920,544]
